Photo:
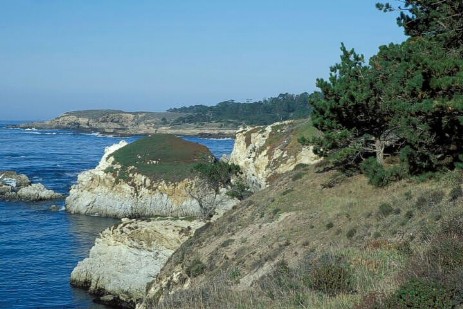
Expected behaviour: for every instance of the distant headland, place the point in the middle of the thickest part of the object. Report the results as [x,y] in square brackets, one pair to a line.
[221,120]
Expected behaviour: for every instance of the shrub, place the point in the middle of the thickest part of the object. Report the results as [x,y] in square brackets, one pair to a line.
[297,176]
[429,199]
[378,175]
[409,214]
[455,193]
[217,174]
[329,225]
[195,268]
[385,209]
[446,253]
[351,233]
[227,242]
[331,275]
[239,190]
[420,293]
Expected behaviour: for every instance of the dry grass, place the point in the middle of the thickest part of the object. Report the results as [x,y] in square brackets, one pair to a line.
[288,222]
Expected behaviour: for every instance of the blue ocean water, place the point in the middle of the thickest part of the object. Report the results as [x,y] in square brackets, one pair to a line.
[39,247]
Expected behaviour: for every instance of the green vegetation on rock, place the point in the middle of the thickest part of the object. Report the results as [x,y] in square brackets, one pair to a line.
[160,157]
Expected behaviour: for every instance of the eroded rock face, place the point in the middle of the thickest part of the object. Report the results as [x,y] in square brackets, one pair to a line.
[98,192]
[263,152]
[127,256]
[14,186]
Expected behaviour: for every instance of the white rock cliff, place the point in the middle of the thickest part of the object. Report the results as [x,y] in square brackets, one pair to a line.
[98,192]
[127,256]
[260,159]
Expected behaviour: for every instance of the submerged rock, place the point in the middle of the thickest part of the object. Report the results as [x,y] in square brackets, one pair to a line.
[127,256]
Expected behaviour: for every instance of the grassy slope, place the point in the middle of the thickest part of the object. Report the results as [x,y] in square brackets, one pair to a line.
[298,220]
[161,156]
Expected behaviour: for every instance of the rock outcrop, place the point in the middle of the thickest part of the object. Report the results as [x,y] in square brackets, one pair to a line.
[118,122]
[127,256]
[263,152]
[14,186]
[101,192]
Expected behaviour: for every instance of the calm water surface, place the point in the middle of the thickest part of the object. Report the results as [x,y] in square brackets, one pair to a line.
[39,247]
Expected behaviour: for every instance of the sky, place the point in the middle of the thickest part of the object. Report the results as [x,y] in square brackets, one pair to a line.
[140,55]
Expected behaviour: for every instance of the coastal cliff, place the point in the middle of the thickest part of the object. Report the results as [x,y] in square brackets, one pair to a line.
[128,255]
[267,151]
[144,183]
[106,273]
[152,180]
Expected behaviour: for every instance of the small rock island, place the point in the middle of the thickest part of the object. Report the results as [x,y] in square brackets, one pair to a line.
[18,187]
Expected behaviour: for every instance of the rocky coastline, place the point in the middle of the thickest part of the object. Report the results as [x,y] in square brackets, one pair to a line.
[18,187]
[136,250]
[120,123]
[128,257]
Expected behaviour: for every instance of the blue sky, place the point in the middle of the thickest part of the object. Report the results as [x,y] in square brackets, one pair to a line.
[140,55]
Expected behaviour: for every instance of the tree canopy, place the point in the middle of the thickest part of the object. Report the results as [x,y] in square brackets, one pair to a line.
[406,102]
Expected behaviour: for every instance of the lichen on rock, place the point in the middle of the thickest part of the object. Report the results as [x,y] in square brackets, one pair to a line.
[263,152]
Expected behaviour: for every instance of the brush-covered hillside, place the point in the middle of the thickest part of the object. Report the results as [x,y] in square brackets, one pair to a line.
[323,240]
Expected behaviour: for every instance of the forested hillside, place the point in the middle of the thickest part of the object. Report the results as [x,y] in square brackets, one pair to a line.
[283,107]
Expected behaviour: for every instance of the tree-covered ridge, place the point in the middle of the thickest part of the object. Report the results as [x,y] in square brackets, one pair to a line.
[405,103]
[283,107]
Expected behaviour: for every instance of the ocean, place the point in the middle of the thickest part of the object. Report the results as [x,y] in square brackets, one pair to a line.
[40,247]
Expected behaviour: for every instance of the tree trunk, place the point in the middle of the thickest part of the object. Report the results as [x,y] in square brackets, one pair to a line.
[379,148]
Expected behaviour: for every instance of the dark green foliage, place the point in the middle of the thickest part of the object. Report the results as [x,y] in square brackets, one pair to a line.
[195,268]
[437,20]
[429,199]
[285,106]
[227,242]
[331,275]
[239,190]
[217,174]
[378,175]
[329,225]
[351,233]
[385,209]
[409,214]
[407,100]
[297,176]
[455,193]
[420,294]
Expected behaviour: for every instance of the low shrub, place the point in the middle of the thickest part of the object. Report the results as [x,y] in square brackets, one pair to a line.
[455,193]
[195,268]
[385,209]
[378,175]
[351,233]
[329,225]
[297,176]
[429,199]
[331,275]
[420,293]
